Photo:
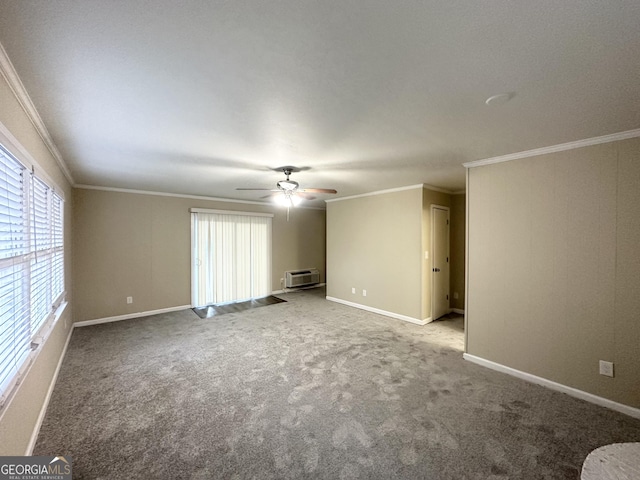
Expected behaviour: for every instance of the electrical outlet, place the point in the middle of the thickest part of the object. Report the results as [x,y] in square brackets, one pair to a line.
[353,290]
[129,299]
[606,368]
[364,293]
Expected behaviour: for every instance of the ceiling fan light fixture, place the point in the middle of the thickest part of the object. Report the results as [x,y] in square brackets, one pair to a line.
[288,185]
[289,194]
[288,200]
[281,200]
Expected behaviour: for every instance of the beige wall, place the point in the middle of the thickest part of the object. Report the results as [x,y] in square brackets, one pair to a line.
[458,228]
[128,244]
[374,243]
[18,419]
[378,243]
[554,270]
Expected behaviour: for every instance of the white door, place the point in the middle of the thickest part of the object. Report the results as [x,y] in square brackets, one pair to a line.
[440,261]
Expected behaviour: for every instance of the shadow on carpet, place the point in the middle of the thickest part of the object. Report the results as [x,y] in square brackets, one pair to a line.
[216,310]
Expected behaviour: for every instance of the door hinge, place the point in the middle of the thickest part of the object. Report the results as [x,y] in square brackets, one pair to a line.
[447,222]
[447,259]
[447,297]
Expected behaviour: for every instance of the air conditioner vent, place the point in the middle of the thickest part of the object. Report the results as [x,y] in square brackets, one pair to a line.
[301,278]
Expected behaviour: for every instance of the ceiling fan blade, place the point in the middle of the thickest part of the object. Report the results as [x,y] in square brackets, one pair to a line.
[304,195]
[260,189]
[272,195]
[317,190]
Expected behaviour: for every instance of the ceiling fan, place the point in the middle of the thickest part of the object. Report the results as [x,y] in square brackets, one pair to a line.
[289,192]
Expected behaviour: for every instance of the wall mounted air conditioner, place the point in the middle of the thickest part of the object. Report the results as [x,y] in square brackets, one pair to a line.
[301,278]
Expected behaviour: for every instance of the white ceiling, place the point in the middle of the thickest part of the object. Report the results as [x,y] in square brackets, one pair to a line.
[200,97]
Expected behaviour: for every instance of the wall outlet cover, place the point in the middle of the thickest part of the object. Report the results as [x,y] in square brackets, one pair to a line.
[606,368]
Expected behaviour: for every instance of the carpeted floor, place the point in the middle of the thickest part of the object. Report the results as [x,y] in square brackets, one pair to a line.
[307,389]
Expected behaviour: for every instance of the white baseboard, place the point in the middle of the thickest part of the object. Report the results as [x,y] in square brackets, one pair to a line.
[574,392]
[117,318]
[459,311]
[381,312]
[45,404]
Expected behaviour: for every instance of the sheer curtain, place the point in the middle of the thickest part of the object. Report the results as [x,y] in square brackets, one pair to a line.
[231,256]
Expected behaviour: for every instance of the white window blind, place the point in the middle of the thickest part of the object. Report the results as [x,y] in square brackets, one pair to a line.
[31,264]
[232,257]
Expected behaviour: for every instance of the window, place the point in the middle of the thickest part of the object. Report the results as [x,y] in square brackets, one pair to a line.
[31,265]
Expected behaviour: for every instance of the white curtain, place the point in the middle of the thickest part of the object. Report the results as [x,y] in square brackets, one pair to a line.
[231,256]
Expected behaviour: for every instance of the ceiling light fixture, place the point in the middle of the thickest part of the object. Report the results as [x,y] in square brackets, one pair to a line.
[288,192]
[500,99]
[288,185]
[288,200]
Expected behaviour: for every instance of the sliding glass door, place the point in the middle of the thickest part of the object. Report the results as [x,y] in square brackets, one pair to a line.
[231,256]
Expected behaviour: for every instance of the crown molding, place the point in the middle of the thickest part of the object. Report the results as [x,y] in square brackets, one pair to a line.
[378,192]
[181,195]
[424,186]
[13,80]
[614,137]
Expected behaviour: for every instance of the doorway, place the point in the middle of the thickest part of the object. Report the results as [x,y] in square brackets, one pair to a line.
[230,256]
[440,261]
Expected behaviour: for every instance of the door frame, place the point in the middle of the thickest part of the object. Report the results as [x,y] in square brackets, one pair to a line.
[448,210]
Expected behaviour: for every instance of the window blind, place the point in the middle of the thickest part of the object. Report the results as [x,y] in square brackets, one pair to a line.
[232,257]
[31,264]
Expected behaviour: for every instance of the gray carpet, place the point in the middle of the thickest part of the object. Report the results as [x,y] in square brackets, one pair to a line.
[307,389]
